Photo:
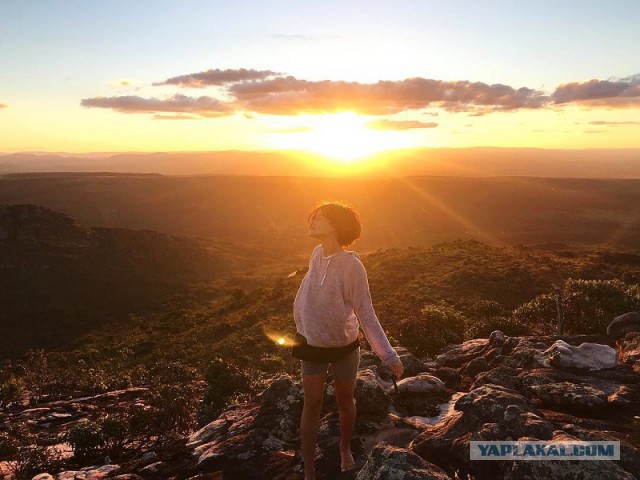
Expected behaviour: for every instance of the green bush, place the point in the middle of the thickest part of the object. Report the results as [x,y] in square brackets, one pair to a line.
[86,439]
[224,380]
[172,400]
[588,306]
[435,326]
[485,316]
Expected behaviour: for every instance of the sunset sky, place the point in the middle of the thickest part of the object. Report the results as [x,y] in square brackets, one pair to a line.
[335,77]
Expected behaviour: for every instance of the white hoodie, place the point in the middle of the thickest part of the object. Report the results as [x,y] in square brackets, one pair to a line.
[333,296]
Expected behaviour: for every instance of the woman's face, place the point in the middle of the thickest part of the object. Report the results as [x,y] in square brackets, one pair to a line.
[320,226]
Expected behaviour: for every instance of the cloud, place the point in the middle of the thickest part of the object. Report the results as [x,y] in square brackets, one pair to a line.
[290,96]
[384,124]
[604,122]
[203,106]
[217,77]
[3,105]
[251,92]
[616,94]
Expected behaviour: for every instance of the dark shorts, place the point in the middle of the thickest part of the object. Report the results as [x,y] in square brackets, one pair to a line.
[344,369]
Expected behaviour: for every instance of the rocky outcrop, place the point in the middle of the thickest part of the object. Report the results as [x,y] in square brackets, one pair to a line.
[502,388]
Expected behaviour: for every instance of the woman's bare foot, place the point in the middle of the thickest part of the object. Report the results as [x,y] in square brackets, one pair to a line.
[346,460]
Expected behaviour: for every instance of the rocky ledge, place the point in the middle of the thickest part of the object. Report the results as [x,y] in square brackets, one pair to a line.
[575,387]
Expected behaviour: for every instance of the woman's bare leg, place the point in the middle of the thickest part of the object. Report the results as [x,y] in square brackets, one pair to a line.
[310,420]
[347,408]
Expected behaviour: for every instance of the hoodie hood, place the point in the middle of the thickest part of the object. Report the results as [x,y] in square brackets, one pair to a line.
[323,261]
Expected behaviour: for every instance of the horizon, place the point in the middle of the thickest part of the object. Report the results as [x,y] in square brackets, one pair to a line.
[86,78]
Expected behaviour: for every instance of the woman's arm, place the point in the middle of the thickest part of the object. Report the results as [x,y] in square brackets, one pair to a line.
[357,289]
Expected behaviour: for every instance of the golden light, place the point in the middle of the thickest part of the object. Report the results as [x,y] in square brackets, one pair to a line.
[278,338]
[342,137]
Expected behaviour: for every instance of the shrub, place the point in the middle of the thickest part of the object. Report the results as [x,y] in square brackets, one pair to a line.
[588,307]
[224,380]
[485,316]
[435,327]
[172,400]
[86,439]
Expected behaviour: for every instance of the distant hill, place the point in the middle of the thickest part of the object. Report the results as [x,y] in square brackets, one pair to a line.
[269,212]
[474,162]
[60,279]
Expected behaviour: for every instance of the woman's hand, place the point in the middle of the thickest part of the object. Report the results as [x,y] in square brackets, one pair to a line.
[397,368]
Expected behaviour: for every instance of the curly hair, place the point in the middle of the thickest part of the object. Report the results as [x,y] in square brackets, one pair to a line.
[342,217]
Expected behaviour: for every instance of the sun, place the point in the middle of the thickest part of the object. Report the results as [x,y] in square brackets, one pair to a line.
[342,137]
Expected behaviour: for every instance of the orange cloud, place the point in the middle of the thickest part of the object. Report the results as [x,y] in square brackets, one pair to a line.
[3,105]
[253,92]
[290,96]
[204,106]
[615,94]
[217,77]
[384,124]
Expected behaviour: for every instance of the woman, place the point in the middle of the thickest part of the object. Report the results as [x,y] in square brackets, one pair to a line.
[333,299]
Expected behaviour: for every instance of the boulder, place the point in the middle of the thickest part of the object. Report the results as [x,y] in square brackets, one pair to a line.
[586,356]
[421,384]
[456,355]
[386,462]
[623,324]
[497,338]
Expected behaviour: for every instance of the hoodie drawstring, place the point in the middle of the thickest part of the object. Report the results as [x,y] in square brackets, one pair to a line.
[325,271]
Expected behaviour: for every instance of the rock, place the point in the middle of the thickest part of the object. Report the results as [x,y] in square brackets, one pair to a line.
[412,365]
[525,355]
[629,455]
[92,472]
[566,469]
[475,366]
[504,376]
[496,339]
[627,397]
[623,324]
[43,476]
[421,384]
[488,402]
[387,462]
[629,350]
[456,355]
[370,394]
[281,408]
[587,356]
[450,376]
[567,394]
[520,423]
[420,395]
[235,418]
[148,456]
